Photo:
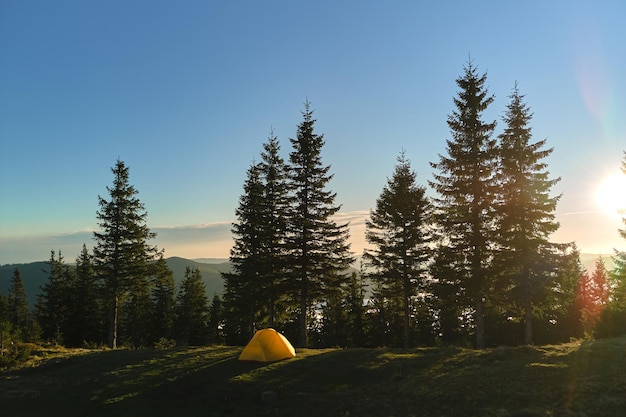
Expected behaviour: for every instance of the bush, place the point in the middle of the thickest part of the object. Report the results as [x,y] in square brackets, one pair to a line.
[612,323]
[165,343]
[15,354]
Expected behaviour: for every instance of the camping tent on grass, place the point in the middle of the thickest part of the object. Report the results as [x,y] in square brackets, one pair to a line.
[267,345]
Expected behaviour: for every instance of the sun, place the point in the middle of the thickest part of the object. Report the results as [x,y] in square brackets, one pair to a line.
[611,193]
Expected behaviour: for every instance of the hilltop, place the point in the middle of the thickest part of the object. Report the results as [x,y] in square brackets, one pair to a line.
[578,379]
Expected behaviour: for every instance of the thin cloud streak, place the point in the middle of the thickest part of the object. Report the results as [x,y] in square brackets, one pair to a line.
[210,240]
[215,240]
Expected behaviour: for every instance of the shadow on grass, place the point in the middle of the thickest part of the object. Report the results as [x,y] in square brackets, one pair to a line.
[97,383]
[583,380]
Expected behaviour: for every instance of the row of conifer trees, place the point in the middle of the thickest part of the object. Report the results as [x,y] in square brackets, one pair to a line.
[471,265]
[71,309]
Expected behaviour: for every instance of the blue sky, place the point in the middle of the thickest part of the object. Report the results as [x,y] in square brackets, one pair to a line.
[187,92]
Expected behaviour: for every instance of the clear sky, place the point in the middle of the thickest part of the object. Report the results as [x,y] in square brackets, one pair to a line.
[186,93]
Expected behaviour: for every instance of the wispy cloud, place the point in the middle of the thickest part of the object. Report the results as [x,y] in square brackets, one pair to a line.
[355,218]
[201,226]
[577,213]
[208,240]
[200,240]
[20,249]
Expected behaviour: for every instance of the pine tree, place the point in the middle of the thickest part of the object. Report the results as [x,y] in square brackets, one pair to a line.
[613,319]
[272,231]
[619,274]
[243,285]
[122,254]
[4,308]
[355,311]
[343,322]
[164,296]
[452,313]
[86,314]
[466,188]
[399,230]
[376,317]
[216,319]
[318,246]
[138,307]
[192,310]
[592,295]
[17,305]
[332,327]
[565,270]
[526,211]
[6,330]
[54,300]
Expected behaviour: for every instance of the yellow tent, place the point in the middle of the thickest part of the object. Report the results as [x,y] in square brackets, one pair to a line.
[267,345]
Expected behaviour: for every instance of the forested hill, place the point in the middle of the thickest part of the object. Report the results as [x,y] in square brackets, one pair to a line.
[35,275]
[211,273]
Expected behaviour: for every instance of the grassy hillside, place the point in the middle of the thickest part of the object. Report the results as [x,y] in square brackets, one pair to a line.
[574,380]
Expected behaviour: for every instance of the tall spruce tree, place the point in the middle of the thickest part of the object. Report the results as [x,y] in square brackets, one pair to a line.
[5,325]
[274,206]
[216,320]
[565,270]
[137,320]
[465,184]
[613,319]
[526,212]
[192,310]
[122,254]
[452,323]
[343,320]
[399,230]
[54,301]
[592,295]
[619,274]
[319,248]
[243,285]
[4,308]
[378,317]
[17,306]
[164,296]
[355,311]
[86,314]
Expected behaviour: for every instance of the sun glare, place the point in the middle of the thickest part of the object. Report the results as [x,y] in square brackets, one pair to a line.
[611,193]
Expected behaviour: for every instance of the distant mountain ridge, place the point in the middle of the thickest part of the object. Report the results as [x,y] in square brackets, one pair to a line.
[211,272]
[36,274]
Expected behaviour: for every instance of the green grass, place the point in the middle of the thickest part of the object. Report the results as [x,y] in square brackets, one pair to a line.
[572,380]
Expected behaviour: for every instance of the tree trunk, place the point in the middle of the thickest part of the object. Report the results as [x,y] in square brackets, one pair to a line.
[251,323]
[528,308]
[406,313]
[302,335]
[480,323]
[272,308]
[528,324]
[113,324]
